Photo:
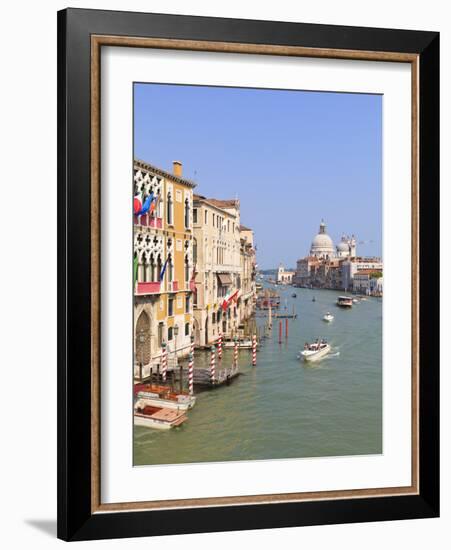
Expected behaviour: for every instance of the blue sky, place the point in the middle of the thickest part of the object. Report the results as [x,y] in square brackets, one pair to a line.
[291,157]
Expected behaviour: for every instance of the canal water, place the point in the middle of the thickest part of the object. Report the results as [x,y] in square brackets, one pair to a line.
[283,407]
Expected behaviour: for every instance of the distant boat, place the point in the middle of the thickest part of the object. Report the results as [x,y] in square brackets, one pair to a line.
[313,299]
[344,301]
[294,295]
[328,317]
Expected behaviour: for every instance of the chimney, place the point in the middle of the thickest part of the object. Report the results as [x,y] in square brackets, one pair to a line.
[177,168]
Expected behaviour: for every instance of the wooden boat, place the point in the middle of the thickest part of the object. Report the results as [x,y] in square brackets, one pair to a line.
[344,301]
[162,396]
[316,351]
[158,418]
[245,343]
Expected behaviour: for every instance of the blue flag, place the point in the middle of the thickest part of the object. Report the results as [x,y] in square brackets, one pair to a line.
[164,269]
[146,205]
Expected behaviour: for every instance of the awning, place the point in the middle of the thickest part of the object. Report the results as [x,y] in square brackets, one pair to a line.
[225,279]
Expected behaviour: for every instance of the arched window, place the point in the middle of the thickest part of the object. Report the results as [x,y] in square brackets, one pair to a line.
[169,209]
[187,213]
[159,267]
[152,268]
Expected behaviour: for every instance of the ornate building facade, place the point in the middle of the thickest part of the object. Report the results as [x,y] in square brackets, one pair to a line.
[163,265]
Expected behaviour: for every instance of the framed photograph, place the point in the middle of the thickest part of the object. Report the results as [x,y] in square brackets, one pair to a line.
[248,274]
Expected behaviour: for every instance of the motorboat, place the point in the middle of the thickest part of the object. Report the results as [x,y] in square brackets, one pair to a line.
[355,300]
[294,295]
[158,418]
[161,396]
[315,351]
[344,301]
[328,317]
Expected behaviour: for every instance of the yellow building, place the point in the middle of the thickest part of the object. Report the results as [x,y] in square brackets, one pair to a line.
[163,245]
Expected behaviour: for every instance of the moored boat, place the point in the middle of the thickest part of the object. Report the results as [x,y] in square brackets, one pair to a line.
[162,396]
[344,301]
[315,351]
[158,418]
[245,343]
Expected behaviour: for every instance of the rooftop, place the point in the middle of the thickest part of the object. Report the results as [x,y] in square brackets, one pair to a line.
[151,168]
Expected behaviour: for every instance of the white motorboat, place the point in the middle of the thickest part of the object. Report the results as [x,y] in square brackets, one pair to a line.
[316,351]
[156,417]
[328,317]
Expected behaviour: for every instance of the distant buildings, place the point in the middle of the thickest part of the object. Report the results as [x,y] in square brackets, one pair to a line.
[284,277]
[333,267]
[194,267]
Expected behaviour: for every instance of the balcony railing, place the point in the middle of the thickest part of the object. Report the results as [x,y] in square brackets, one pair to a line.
[148,288]
[148,221]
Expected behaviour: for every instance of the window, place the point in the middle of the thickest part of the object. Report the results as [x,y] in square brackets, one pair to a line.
[169,209]
[170,268]
[213,220]
[187,214]
[186,329]
[213,318]
[194,215]
[186,270]
[206,217]
[170,333]
[160,334]
[195,251]
[187,303]
[171,307]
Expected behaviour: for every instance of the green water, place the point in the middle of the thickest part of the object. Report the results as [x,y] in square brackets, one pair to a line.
[284,408]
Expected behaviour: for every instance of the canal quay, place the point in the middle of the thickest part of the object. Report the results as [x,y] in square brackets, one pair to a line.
[284,407]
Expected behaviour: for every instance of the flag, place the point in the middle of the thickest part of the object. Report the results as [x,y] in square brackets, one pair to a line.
[155,202]
[135,269]
[137,203]
[145,207]
[164,269]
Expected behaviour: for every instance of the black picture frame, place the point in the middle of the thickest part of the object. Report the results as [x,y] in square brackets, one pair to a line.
[75,518]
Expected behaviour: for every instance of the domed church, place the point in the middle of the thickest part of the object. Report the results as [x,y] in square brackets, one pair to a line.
[322,245]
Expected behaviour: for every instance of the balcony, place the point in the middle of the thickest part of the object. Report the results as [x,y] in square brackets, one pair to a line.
[148,221]
[148,288]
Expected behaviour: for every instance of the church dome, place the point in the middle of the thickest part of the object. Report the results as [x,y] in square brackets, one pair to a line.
[342,247]
[322,244]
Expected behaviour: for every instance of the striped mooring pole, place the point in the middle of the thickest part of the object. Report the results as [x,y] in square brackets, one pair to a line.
[191,373]
[192,345]
[164,361]
[254,350]
[220,346]
[235,354]
[212,364]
